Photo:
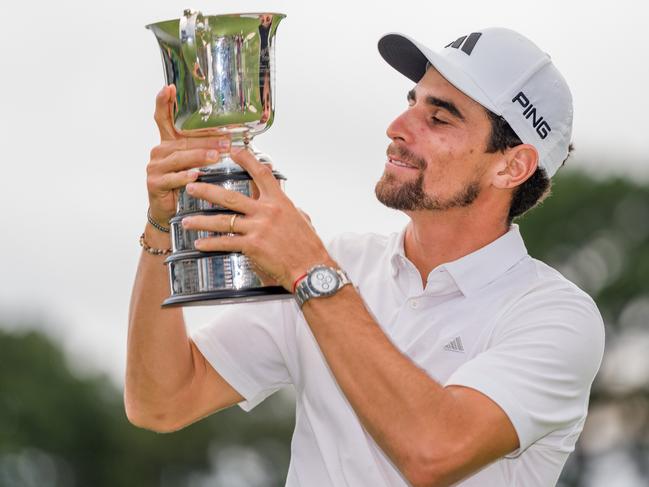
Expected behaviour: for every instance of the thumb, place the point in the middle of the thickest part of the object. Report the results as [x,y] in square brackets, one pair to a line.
[164,103]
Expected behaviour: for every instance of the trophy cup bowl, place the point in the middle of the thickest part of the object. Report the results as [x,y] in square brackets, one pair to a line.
[224,73]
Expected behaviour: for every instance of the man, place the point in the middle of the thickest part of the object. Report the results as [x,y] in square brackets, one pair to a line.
[455,357]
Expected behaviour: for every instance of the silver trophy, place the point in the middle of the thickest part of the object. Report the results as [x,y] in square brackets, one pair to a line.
[223,70]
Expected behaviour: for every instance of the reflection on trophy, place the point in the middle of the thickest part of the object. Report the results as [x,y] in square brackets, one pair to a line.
[223,69]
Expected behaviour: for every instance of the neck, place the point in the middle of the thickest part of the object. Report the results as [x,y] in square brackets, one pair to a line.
[434,238]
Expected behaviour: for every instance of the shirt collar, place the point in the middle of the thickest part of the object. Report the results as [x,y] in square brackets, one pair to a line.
[485,265]
[477,269]
[396,252]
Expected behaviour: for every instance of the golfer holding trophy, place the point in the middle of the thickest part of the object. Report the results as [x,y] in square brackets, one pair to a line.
[439,355]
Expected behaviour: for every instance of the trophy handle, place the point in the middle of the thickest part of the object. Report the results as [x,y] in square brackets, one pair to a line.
[195,37]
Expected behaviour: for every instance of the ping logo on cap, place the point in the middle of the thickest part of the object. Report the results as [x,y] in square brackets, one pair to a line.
[465,43]
[529,110]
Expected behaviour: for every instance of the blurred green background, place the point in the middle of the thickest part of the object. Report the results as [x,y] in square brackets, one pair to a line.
[61,430]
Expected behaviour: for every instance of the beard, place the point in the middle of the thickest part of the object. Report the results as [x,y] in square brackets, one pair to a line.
[410,195]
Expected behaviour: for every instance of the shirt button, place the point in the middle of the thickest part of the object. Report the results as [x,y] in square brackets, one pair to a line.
[414,304]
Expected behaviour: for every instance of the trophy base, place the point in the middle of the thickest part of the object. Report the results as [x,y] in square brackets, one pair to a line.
[228,297]
[214,278]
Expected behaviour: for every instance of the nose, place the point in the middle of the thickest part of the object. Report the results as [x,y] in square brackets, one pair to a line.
[399,129]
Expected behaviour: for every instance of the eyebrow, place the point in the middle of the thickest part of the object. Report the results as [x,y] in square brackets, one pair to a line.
[447,105]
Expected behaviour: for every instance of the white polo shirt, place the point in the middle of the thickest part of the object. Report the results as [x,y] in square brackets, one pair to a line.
[495,320]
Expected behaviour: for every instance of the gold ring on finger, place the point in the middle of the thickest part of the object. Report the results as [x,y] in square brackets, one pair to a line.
[232,220]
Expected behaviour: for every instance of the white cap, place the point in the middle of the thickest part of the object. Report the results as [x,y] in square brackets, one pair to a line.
[504,72]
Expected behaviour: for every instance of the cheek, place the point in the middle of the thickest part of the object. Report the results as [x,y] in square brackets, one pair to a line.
[444,159]
[450,166]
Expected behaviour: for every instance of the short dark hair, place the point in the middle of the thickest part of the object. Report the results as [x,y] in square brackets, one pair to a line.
[533,191]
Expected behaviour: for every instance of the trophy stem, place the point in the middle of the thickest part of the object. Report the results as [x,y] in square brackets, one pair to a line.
[261,156]
[225,164]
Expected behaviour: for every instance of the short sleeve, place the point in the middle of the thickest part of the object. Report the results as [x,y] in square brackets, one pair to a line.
[541,362]
[248,345]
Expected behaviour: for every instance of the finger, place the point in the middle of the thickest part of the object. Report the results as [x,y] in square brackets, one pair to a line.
[221,223]
[187,143]
[260,173]
[226,243]
[176,180]
[164,102]
[187,159]
[222,197]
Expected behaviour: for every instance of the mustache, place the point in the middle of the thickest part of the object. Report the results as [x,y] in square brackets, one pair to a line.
[398,152]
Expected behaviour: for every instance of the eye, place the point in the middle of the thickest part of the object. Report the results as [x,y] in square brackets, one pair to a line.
[438,121]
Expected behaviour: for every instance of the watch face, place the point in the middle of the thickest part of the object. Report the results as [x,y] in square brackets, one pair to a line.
[323,280]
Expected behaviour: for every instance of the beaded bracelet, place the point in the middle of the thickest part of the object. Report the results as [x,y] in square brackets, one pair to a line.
[154,223]
[151,250]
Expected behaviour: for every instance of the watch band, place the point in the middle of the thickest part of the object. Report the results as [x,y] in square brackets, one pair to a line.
[305,291]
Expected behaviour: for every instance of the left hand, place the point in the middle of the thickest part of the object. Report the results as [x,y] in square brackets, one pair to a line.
[271,231]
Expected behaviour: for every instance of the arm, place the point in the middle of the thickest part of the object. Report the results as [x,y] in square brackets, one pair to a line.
[434,435]
[168,381]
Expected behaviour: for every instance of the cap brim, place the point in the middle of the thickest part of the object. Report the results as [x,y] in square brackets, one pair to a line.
[411,59]
[403,55]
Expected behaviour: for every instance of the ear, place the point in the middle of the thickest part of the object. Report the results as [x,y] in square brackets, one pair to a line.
[516,166]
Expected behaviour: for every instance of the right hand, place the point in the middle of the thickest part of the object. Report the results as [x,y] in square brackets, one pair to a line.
[171,162]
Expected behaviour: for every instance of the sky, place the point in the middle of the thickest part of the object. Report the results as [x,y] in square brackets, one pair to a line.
[79,82]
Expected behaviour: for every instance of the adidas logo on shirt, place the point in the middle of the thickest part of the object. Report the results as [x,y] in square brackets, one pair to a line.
[455,345]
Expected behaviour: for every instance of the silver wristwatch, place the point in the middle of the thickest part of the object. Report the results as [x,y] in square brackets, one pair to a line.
[320,281]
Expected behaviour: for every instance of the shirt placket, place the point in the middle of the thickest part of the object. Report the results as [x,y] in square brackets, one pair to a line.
[409,281]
